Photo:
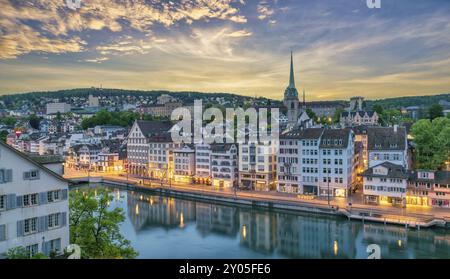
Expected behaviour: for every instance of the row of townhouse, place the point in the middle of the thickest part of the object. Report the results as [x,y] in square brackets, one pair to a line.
[33,205]
[392,184]
[152,154]
[315,161]
[105,156]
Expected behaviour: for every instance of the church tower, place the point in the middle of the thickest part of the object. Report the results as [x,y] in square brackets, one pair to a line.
[291,101]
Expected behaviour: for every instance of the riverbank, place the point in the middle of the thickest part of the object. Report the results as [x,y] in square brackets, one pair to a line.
[279,202]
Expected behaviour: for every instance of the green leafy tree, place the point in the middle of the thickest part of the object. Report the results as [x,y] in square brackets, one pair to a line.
[95,227]
[59,116]
[337,115]
[3,135]
[391,117]
[34,121]
[435,111]
[103,117]
[432,139]
[9,120]
[311,114]
[378,109]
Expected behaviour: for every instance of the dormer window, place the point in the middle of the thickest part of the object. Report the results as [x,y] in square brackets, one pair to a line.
[394,145]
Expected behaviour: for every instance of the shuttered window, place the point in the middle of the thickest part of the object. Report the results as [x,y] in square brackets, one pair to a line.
[31,175]
[2,232]
[31,225]
[5,175]
[2,202]
[32,249]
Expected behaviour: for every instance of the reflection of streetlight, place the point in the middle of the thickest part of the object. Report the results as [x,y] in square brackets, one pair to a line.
[181,220]
[244,231]
[335,248]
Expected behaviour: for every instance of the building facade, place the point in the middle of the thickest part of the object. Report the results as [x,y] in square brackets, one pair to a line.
[224,165]
[387,144]
[257,166]
[33,205]
[316,161]
[385,183]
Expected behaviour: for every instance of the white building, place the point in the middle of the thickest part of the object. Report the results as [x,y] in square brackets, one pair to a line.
[164,98]
[257,166]
[203,163]
[316,161]
[53,108]
[385,183]
[160,157]
[138,141]
[224,165]
[387,144]
[356,118]
[184,164]
[93,101]
[33,205]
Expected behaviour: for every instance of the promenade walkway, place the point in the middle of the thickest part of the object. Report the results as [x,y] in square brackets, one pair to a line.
[411,213]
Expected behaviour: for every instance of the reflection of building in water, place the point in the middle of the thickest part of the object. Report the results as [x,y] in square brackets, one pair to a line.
[312,237]
[393,240]
[146,210]
[258,230]
[217,219]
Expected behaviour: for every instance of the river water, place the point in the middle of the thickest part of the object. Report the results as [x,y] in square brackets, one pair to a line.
[166,227]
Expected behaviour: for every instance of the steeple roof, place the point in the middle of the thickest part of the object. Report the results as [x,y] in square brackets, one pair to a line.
[291,91]
[291,76]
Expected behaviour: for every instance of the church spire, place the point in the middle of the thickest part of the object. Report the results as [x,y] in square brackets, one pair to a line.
[291,76]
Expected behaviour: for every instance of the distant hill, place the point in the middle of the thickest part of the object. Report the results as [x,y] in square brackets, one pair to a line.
[190,96]
[399,102]
[84,92]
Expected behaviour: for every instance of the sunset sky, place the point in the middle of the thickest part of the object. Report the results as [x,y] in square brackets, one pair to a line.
[341,47]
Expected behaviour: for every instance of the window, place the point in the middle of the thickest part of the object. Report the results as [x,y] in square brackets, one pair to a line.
[30,226]
[52,196]
[31,175]
[2,202]
[30,200]
[55,245]
[53,220]
[32,250]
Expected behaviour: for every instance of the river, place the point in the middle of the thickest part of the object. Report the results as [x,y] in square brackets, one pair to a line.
[174,228]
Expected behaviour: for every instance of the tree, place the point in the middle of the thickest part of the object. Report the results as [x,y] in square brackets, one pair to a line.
[9,120]
[58,116]
[378,109]
[34,121]
[432,139]
[337,115]
[311,114]
[20,253]
[435,111]
[95,227]
[391,116]
[3,135]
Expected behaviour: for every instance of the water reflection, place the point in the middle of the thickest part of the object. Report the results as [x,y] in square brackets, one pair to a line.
[275,234]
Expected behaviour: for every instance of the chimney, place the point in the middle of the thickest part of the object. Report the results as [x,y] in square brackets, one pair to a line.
[395,128]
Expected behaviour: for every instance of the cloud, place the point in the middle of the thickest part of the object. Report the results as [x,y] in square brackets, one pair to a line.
[221,44]
[96,60]
[239,34]
[264,10]
[52,22]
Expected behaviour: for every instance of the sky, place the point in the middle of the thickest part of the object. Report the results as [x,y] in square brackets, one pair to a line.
[341,48]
